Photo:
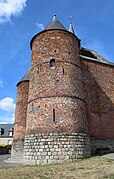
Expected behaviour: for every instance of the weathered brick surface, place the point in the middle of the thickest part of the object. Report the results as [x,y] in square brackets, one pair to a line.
[21,111]
[46,82]
[51,44]
[70,115]
[58,89]
[98,83]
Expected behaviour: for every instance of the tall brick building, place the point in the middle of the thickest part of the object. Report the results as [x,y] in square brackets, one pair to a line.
[65,102]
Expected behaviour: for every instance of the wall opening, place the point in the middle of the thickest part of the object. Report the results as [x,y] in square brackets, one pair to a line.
[53,115]
[63,71]
[52,63]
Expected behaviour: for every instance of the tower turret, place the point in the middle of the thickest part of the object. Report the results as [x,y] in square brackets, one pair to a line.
[20,117]
[56,106]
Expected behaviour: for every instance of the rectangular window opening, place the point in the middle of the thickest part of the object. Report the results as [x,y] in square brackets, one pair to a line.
[52,64]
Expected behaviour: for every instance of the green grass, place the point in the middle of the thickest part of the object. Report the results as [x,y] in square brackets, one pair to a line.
[92,168]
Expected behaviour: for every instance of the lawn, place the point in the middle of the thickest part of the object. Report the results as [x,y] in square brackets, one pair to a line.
[91,168]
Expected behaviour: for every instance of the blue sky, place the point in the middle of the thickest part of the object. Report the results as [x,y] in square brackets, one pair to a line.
[20,20]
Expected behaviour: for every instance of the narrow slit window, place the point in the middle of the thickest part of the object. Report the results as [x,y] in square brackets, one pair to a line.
[52,64]
[53,115]
[63,71]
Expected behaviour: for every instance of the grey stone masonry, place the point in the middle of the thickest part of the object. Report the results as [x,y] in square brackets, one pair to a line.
[47,148]
[17,152]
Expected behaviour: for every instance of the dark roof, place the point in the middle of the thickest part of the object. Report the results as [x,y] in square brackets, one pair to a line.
[55,24]
[25,77]
[92,55]
[7,128]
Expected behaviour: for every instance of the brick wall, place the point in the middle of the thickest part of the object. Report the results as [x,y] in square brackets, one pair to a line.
[98,83]
[70,115]
[60,89]
[21,111]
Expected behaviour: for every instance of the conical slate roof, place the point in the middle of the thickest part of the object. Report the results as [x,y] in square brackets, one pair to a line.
[25,78]
[55,24]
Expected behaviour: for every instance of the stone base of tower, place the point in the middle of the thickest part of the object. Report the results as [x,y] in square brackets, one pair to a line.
[17,152]
[55,147]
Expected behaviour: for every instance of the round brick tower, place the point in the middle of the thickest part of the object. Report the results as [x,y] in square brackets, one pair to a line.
[20,118]
[56,127]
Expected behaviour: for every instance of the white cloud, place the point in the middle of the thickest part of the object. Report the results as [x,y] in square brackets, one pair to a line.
[10,8]
[40,26]
[3,122]
[1,84]
[7,104]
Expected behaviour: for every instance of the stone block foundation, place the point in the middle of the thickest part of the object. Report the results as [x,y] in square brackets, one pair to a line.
[17,152]
[48,148]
